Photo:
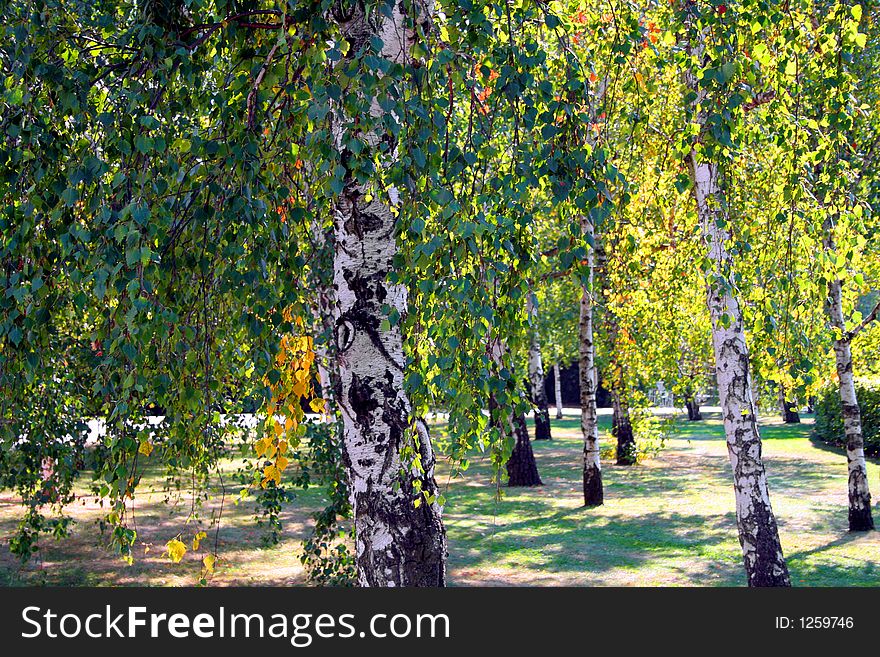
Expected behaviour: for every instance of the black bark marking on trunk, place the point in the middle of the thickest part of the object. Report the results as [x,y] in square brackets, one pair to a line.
[361,400]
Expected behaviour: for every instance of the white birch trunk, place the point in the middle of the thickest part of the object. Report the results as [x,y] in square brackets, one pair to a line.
[536,378]
[522,469]
[860,518]
[400,539]
[593,492]
[758,533]
[557,390]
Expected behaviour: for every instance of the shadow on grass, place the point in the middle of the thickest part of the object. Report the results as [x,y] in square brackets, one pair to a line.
[580,542]
[814,567]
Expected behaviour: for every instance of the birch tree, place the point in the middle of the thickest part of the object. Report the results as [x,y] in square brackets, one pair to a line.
[400,540]
[536,374]
[859,494]
[833,153]
[592,471]
[834,182]
[758,533]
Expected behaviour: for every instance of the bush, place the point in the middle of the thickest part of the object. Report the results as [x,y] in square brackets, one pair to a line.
[829,422]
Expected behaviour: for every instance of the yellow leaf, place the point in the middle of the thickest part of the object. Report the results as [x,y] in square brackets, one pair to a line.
[197,539]
[271,473]
[209,561]
[146,447]
[270,450]
[300,388]
[281,462]
[261,446]
[317,405]
[282,447]
[175,549]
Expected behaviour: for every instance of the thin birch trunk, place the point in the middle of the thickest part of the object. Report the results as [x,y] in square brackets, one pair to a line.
[593,492]
[536,378]
[693,409]
[557,390]
[400,540]
[860,518]
[522,469]
[621,427]
[787,408]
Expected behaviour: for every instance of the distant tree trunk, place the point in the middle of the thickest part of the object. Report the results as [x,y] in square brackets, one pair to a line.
[621,425]
[536,378]
[593,493]
[787,408]
[397,542]
[521,467]
[693,409]
[522,470]
[557,390]
[621,428]
[860,518]
[758,533]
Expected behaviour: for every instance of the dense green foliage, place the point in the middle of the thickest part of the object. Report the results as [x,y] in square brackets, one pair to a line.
[168,175]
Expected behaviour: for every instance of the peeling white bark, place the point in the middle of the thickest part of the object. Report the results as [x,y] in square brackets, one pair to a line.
[758,534]
[536,377]
[592,479]
[557,390]
[400,539]
[860,517]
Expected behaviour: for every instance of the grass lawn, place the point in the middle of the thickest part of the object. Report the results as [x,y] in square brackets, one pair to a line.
[667,522]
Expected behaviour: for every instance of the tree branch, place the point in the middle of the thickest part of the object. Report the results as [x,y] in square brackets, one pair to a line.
[871,316]
[759,99]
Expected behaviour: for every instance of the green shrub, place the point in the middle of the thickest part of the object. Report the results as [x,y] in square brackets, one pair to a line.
[829,422]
